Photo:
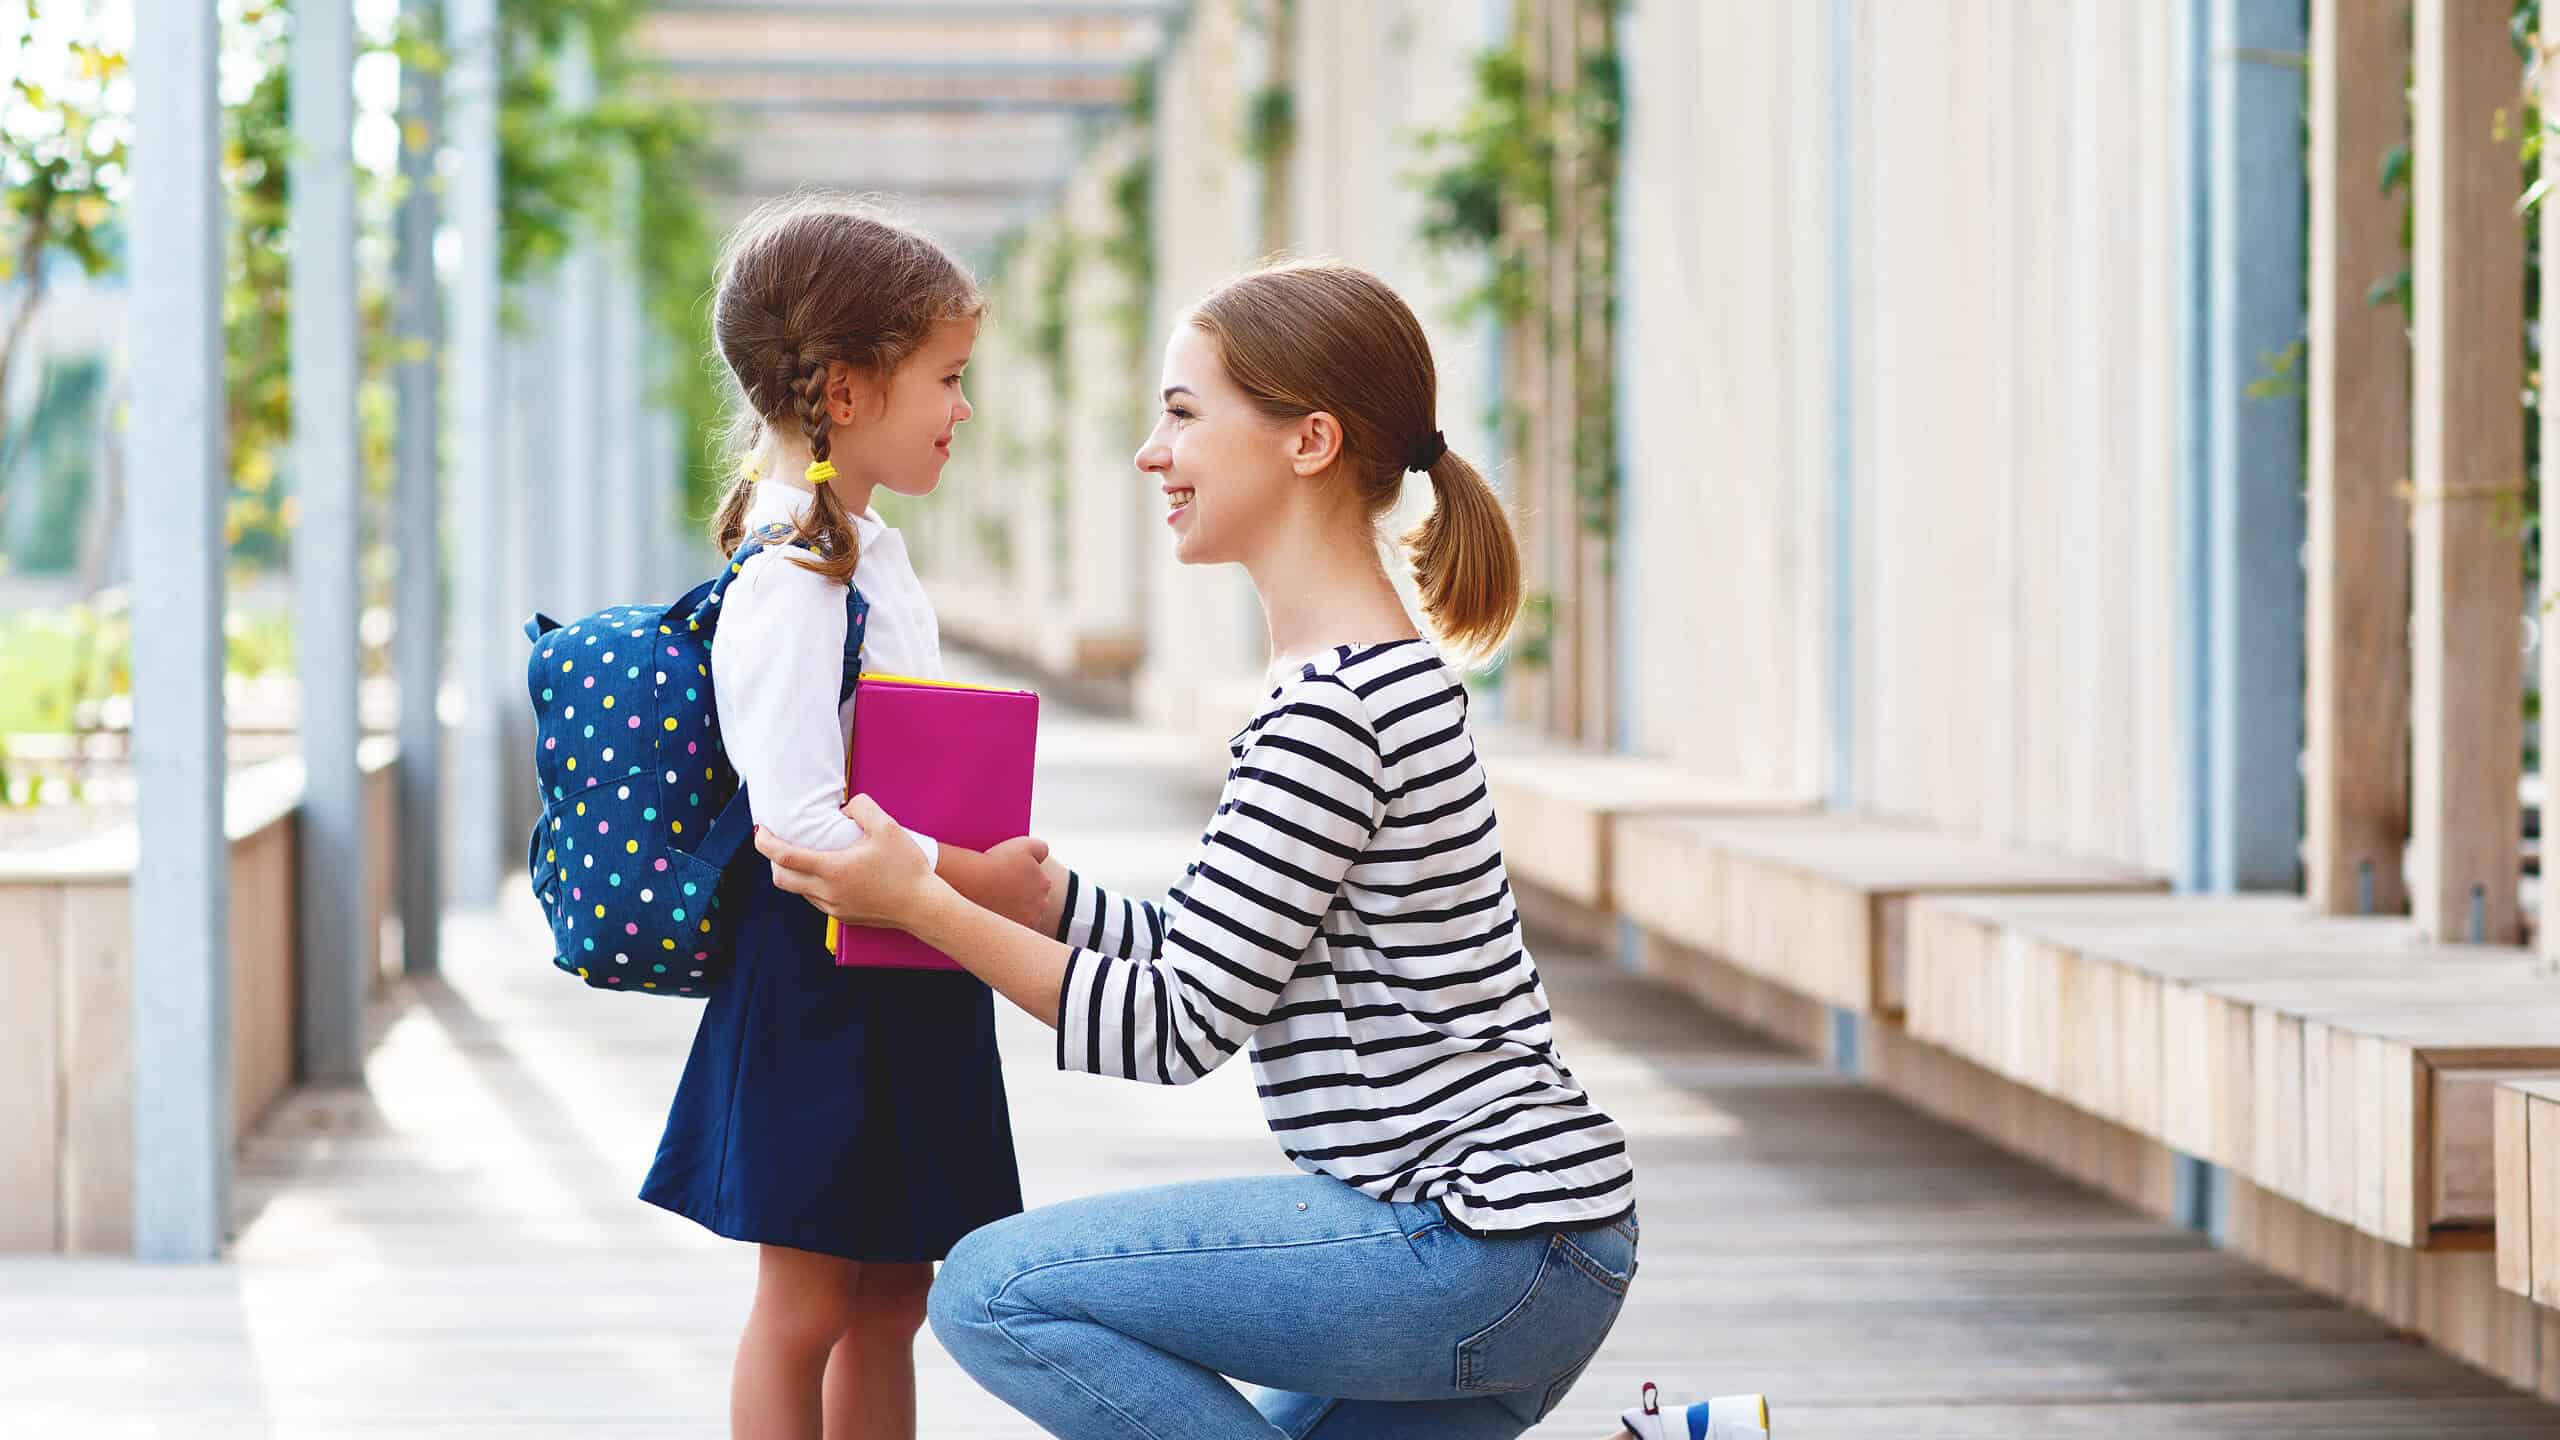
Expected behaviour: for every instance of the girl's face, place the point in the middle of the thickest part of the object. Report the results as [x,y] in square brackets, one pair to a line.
[900,441]
[1228,472]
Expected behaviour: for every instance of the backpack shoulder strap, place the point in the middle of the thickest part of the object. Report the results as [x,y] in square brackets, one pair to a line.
[857,619]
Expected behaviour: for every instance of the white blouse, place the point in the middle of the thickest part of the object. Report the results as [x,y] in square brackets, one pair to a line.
[777,661]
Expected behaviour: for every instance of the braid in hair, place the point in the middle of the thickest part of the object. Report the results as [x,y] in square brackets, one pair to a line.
[826,526]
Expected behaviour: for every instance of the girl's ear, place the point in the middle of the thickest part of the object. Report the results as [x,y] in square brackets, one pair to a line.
[1315,443]
[845,388]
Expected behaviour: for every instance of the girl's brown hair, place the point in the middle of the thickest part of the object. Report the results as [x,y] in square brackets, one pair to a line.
[1304,336]
[805,282]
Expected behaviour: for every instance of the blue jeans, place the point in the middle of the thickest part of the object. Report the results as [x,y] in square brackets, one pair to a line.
[1116,1315]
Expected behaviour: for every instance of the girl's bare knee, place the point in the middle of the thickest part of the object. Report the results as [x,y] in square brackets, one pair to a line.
[891,1304]
[808,1298]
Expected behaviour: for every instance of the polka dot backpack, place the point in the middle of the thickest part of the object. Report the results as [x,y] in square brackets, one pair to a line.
[642,810]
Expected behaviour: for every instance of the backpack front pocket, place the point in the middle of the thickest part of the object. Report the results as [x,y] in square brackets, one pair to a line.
[628,910]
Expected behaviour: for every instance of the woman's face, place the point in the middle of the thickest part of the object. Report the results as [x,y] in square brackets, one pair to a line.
[1226,470]
[900,442]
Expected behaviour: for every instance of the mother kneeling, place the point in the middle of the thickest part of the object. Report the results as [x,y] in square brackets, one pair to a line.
[1466,1232]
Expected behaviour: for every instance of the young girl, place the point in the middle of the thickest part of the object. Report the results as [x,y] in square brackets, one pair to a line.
[851,1123]
[1465,1230]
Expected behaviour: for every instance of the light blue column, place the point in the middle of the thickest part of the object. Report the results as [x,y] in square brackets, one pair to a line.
[180,479]
[477,844]
[530,491]
[1842,792]
[2195,576]
[2246,510]
[634,495]
[420,505]
[335,953]
[581,450]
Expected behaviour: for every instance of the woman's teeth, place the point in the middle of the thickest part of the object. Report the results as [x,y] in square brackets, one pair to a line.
[1176,499]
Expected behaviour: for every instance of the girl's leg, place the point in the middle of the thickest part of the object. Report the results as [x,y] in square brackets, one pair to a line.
[871,1377]
[804,1303]
[1115,1316]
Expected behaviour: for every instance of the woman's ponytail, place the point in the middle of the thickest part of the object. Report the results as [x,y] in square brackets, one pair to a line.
[1465,560]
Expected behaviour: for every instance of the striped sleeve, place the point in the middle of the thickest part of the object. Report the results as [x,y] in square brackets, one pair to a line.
[1095,919]
[1298,810]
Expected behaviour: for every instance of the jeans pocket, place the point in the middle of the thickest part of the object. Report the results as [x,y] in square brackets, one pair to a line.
[1552,1331]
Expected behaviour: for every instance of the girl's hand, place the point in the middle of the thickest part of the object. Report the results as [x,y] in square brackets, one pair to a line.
[881,880]
[1015,884]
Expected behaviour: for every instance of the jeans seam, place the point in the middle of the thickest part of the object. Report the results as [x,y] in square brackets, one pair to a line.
[1520,1309]
[1030,1270]
[1054,1368]
[1590,1265]
[1317,1422]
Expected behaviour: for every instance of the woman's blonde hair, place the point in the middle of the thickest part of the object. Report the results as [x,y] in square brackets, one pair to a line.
[805,282]
[1303,336]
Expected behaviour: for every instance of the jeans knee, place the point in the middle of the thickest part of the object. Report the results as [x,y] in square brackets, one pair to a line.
[964,1289]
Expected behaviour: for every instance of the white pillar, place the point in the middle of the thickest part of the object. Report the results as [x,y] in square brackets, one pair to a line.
[579,481]
[526,500]
[180,484]
[486,667]
[421,538]
[327,543]
[631,492]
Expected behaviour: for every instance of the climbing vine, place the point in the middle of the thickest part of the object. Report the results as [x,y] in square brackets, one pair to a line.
[1131,246]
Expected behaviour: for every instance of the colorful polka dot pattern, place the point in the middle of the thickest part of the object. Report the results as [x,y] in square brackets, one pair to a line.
[627,751]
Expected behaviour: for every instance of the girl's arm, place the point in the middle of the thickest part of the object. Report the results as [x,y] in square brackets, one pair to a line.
[1171,1005]
[776,663]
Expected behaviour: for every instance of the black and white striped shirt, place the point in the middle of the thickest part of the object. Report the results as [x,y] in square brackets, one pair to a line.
[1348,915]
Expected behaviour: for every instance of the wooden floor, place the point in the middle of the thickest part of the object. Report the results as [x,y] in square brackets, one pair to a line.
[457,1251]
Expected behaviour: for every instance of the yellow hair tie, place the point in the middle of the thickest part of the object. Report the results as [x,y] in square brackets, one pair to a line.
[821,471]
[747,470]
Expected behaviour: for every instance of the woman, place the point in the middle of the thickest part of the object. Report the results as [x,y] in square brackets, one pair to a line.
[1466,1231]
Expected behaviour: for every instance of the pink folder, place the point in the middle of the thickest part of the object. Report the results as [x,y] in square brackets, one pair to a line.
[953,761]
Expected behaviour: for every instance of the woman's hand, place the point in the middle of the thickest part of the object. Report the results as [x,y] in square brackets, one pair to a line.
[880,880]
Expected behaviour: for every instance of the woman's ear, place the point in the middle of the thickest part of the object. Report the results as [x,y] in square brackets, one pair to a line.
[1315,443]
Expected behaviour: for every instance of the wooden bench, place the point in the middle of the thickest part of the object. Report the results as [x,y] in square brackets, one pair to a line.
[1558,808]
[66,1037]
[1818,903]
[2335,1062]
[2527,1124]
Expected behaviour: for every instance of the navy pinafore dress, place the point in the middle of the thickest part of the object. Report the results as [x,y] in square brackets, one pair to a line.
[852,1112]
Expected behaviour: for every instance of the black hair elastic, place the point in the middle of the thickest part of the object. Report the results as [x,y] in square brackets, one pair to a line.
[1427,453]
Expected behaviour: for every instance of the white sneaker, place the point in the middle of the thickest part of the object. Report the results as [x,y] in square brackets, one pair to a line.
[1726,1417]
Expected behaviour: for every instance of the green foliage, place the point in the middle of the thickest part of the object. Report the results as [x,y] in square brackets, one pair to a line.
[564,169]
[1131,248]
[2280,373]
[1498,157]
[1270,123]
[63,151]
[61,154]
[50,454]
[1049,316]
[1049,324]
[256,297]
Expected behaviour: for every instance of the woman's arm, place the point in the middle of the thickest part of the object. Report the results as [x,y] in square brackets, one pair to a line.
[1172,1003]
